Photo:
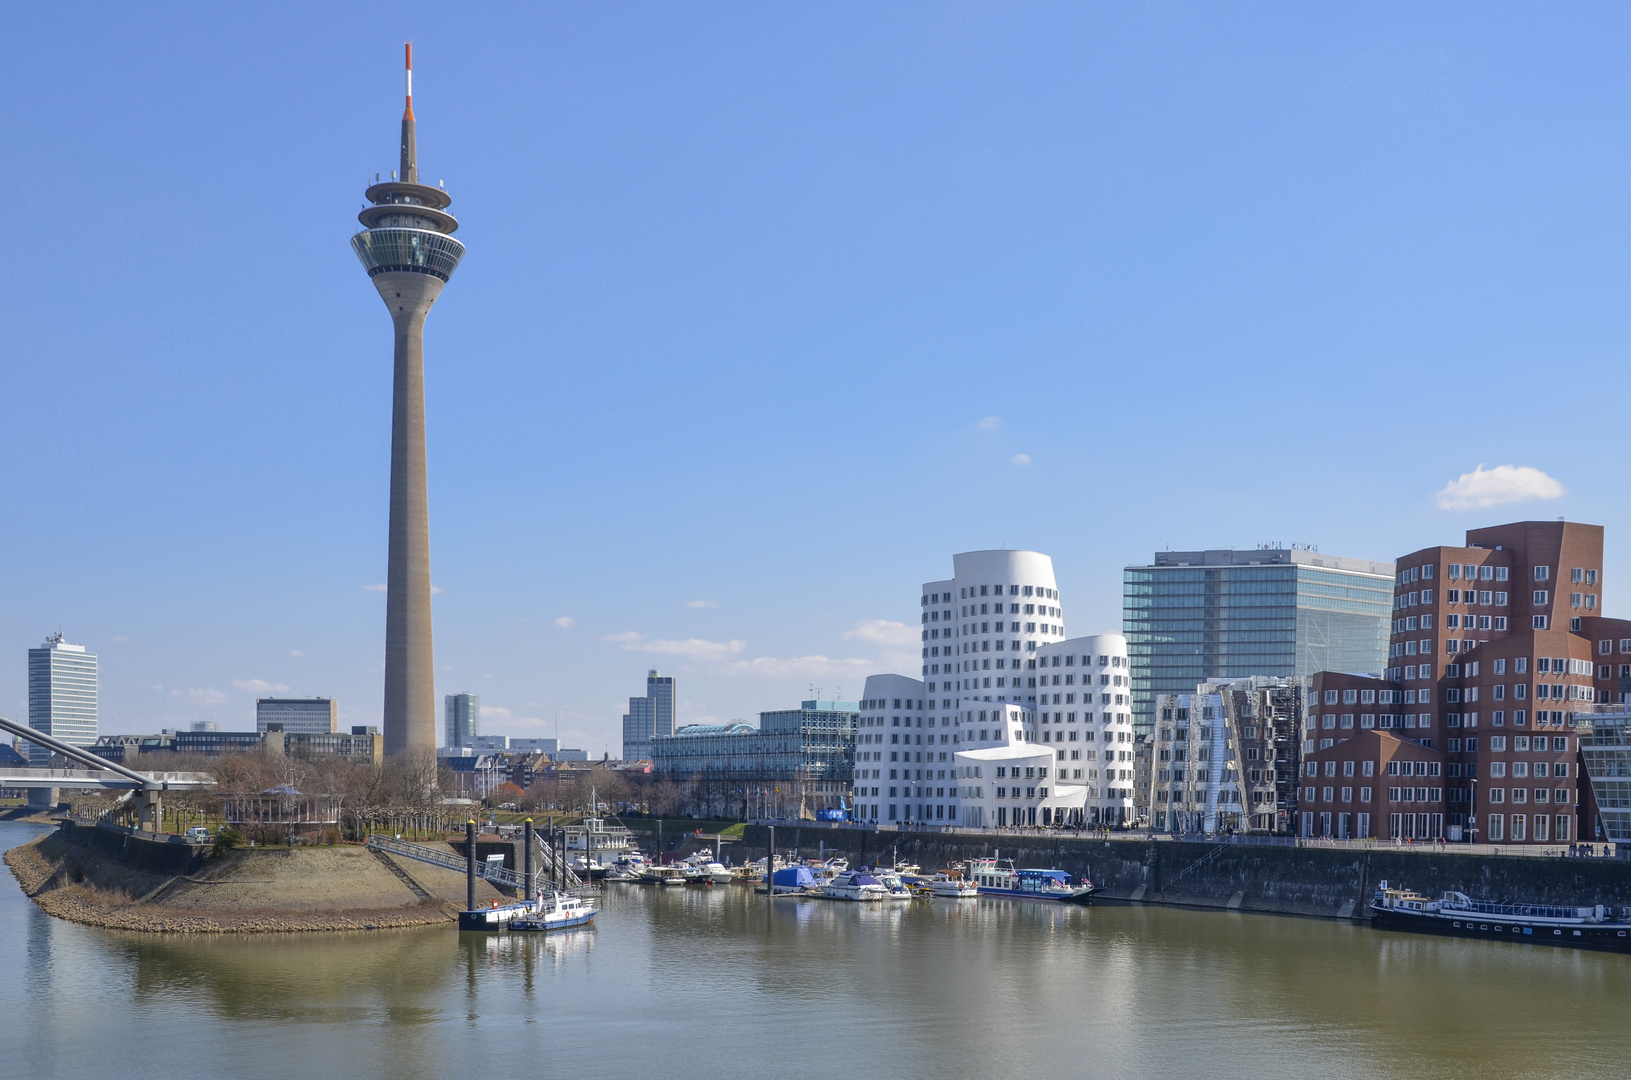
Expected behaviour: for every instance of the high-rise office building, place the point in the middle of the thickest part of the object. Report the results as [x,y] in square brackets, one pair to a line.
[648,716]
[407,247]
[1193,617]
[61,695]
[462,719]
[305,716]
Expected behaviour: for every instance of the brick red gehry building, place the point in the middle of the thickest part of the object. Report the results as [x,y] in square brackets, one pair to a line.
[1494,644]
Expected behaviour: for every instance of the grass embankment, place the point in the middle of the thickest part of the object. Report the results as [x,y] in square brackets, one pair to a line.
[246,891]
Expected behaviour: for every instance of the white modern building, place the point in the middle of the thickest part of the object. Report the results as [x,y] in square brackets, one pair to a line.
[989,686]
[298,716]
[61,695]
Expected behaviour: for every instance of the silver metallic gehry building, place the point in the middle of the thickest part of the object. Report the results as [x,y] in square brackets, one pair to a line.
[1200,616]
[409,252]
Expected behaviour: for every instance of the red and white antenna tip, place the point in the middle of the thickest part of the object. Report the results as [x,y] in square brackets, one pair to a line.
[408,60]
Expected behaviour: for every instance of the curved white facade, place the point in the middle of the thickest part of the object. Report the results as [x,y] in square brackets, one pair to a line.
[988,686]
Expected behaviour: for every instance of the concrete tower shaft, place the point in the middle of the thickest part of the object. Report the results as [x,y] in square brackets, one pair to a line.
[409,253]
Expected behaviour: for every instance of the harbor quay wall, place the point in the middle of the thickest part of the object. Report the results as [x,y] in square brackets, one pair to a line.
[1318,881]
[146,853]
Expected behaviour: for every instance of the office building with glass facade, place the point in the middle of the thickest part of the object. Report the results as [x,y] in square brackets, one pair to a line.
[648,717]
[461,719]
[806,754]
[305,716]
[61,695]
[1193,617]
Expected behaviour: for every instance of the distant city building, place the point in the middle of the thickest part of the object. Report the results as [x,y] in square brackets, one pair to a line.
[205,725]
[489,743]
[1500,655]
[307,716]
[1202,616]
[648,717]
[797,757]
[567,754]
[535,746]
[360,745]
[462,719]
[1226,757]
[62,692]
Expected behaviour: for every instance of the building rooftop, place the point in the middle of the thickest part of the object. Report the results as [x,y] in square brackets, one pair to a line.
[1269,557]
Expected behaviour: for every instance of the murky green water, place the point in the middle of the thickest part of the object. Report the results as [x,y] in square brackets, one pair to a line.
[685,982]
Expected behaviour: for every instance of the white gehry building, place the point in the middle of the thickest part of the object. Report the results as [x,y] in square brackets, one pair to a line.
[1001,700]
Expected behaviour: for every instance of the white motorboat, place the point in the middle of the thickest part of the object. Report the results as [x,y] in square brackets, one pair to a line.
[949,886]
[894,887]
[854,885]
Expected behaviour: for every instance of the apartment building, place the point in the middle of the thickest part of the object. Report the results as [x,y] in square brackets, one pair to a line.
[1495,644]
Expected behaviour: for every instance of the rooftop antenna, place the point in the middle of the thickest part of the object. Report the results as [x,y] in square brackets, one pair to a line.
[410,150]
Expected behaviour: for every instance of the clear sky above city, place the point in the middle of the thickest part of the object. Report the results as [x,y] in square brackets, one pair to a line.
[768,310]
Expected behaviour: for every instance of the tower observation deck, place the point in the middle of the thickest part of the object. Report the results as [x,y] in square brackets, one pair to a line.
[407,247]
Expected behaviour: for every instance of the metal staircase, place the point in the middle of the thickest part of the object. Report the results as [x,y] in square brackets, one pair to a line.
[549,866]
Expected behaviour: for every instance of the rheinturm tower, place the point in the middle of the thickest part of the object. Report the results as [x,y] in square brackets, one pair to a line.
[408,249]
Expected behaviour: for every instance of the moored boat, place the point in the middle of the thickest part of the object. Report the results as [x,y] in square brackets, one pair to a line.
[662,875]
[559,912]
[999,877]
[948,886]
[854,885]
[894,887]
[1458,915]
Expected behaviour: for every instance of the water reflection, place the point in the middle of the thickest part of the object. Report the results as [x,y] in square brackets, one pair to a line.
[983,988]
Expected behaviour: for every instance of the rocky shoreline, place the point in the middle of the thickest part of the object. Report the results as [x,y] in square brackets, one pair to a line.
[63,886]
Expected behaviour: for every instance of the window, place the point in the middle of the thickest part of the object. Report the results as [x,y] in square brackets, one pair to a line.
[1537,622]
[1501,573]
[1542,573]
[1541,597]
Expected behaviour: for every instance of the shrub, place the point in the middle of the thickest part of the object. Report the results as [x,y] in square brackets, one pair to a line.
[227,838]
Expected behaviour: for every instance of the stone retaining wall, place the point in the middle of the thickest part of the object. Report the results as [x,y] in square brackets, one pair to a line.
[1330,882]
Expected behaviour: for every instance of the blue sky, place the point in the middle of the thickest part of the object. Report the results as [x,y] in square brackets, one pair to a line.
[768,310]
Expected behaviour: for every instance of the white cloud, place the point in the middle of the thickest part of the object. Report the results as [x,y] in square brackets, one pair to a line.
[690,648]
[702,604]
[120,638]
[881,632]
[206,696]
[296,653]
[258,686]
[434,589]
[374,588]
[566,622]
[990,423]
[1503,484]
[1021,459]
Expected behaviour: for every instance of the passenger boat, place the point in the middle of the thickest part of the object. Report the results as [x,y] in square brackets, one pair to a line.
[559,913]
[998,877]
[854,885]
[1458,915]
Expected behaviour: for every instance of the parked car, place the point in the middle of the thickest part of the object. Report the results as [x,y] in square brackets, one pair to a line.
[198,832]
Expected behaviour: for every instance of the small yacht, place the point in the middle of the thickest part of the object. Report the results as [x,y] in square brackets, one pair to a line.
[626,867]
[654,874]
[948,886]
[854,885]
[894,887]
[558,913]
[999,877]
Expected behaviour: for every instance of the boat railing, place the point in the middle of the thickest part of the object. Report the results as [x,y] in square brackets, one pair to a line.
[1533,911]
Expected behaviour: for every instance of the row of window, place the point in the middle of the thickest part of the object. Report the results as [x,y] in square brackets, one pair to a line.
[992,590]
[969,611]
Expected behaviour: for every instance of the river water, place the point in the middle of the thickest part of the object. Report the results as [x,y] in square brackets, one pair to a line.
[717,983]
